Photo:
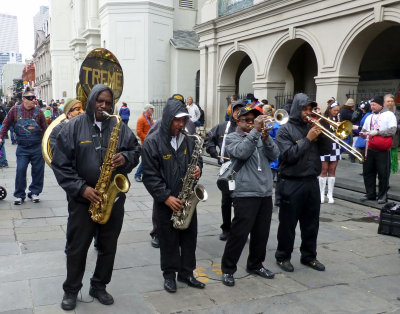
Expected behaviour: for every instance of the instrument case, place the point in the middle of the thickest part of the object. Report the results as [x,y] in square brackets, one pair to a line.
[389,221]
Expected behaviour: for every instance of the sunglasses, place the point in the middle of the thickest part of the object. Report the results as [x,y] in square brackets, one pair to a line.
[30,97]
[247,120]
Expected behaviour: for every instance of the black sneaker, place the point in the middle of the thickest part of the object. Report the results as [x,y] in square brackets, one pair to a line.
[68,302]
[314,264]
[224,235]
[102,295]
[286,265]
[228,280]
[155,242]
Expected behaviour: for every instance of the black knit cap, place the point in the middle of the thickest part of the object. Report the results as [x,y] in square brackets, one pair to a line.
[378,100]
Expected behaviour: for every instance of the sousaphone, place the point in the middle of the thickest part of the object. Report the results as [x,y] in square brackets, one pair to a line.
[99,67]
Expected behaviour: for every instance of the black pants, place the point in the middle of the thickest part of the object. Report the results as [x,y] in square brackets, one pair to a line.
[177,247]
[377,162]
[300,201]
[226,209]
[81,230]
[252,215]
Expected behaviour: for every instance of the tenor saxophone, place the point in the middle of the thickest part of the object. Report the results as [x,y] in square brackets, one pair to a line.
[108,189]
[188,195]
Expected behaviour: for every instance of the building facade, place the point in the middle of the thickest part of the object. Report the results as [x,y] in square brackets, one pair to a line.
[41,19]
[153,41]
[324,48]
[9,73]
[42,61]
[28,74]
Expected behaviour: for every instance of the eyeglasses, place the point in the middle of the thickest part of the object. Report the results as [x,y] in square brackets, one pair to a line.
[247,120]
[30,97]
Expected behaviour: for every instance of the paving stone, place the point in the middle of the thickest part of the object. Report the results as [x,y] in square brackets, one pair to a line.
[15,295]
[9,248]
[43,245]
[47,290]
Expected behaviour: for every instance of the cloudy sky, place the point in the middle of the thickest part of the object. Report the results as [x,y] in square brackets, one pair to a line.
[24,10]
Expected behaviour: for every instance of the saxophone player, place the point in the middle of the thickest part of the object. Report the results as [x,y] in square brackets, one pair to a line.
[78,155]
[166,154]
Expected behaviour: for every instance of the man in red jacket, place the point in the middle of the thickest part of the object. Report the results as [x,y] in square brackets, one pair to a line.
[143,126]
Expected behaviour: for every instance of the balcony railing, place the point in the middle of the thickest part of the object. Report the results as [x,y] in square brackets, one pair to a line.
[226,7]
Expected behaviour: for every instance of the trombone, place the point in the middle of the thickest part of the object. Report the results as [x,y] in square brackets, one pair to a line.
[342,130]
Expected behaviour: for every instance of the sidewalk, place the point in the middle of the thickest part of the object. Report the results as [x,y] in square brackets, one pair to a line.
[362,275]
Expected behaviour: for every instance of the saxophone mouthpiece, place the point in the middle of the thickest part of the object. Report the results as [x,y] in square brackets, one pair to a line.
[105,113]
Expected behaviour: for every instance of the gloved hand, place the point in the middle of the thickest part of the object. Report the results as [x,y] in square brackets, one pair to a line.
[373,133]
[213,152]
[355,127]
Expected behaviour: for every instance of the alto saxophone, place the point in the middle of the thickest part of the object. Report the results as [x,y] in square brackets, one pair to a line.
[101,212]
[189,196]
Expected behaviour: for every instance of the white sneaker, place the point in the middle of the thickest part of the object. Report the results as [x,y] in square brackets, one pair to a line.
[35,198]
[18,201]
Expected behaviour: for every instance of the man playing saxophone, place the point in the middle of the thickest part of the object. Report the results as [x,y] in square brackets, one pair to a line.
[79,154]
[166,155]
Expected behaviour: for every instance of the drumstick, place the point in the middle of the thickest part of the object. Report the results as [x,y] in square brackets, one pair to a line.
[226,158]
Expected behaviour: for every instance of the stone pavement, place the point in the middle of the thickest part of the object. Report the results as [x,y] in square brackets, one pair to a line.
[362,275]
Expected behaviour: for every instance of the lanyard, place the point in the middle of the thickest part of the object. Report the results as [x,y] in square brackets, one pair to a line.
[147,120]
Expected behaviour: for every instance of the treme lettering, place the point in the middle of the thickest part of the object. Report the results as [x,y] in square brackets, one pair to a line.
[93,76]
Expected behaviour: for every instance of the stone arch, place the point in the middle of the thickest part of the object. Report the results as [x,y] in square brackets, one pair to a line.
[364,31]
[283,50]
[231,62]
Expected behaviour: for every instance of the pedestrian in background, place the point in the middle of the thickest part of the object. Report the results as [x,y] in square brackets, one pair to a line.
[143,126]
[10,104]
[329,153]
[124,112]
[3,157]
[30,124]
[193,111]
[394,151]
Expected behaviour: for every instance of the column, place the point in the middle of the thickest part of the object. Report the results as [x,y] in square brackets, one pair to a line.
[336,86]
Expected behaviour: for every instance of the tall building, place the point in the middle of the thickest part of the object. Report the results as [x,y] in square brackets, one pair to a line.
[40,20]
[8,33]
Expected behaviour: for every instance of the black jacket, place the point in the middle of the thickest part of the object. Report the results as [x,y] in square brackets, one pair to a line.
[298,156]
[76,161]
[324,142]
[215,136]
[163,167]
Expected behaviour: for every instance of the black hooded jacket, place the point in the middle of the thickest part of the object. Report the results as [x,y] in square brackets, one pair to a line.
[216,135]
[163,167]
[76,161]
[298,156]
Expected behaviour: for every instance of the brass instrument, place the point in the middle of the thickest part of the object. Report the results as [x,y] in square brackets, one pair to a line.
[189,196]
[46,149]
[342,130]
[99,66]
[281,116]
[101,212]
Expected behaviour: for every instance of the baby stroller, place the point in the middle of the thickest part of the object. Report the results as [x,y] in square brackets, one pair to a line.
[3,191]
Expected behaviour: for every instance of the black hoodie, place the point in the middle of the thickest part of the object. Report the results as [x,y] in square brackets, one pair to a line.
[216,135]
[299,157]
[163,167]
[76,161]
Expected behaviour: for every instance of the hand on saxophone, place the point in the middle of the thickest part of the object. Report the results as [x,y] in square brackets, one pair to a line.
[92,195]
[118,160]
[174,203]
[197,173]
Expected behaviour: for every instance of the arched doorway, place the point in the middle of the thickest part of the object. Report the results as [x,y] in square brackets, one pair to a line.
[372,58]
[379,69]
[292,70]
[237,76]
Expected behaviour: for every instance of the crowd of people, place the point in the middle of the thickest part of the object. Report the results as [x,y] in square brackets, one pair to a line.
[291,155]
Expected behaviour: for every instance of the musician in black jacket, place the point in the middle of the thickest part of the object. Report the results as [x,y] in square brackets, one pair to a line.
[216,138]
[166,154]
[78,156]
[299,167]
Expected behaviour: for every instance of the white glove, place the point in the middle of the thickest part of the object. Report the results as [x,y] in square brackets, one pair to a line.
[355,127]
[373,133]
